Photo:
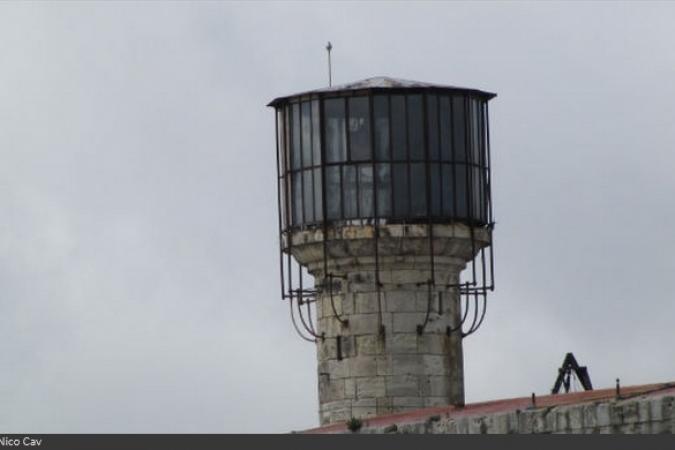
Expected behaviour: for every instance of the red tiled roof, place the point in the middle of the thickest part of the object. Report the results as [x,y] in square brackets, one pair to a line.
[502,406]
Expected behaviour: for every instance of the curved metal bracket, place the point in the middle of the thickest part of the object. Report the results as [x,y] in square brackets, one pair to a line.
[420,328]
[295,324]
[307,328]
[344,322]
[475,325]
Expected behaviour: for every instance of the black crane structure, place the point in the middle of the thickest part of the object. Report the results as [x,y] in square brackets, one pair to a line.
[570,367]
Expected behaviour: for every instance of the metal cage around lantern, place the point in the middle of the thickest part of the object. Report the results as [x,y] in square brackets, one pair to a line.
[384,151]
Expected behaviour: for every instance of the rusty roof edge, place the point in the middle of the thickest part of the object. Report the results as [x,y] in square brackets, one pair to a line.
[503,405]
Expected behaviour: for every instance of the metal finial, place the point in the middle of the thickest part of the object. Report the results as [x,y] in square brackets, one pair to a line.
[329,47]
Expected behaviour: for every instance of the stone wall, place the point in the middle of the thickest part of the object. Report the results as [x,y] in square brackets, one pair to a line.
[393,348]
[646,414]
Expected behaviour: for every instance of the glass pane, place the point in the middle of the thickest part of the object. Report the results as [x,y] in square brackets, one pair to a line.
[415,127]
[448,191]
[333,195]
[418,189]
[365,190]
[446,128]
[461,185]
[288,202]
[359,129]
[383,190]
[316,134]
[306,135]
[297,198]
[432,121]
[287,145]
[282,192]
[280,139]
[381,114]
[295,138]
[459,129]
[398,129]
[318,200]
[349,189]
[475,130]
[308,188]
[401,195]
[336,143]
[435,189]
[476,195]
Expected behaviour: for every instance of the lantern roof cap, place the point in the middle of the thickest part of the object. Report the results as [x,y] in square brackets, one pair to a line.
[381,84]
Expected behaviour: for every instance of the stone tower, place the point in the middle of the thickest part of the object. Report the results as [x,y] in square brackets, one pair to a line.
[384,199]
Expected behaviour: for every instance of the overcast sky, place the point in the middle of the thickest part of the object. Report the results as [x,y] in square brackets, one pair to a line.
[138,236]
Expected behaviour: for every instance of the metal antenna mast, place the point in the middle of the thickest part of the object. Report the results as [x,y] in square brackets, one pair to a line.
[329,47]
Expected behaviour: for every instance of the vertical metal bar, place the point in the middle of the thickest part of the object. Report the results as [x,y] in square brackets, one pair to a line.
[376,223]
[289,190]
[440,157]
[469,184]
[391,159]
[453,156]
[279,180]
[427,159]
[324,222]
[311,157]
[348,144]
[489,162]
[300,290]
[489,192]
[406,119]
[300,172]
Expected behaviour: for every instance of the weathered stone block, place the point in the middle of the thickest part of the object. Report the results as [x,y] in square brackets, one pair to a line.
[362,366]
[364,402]
[590,418]
[435,401]
[370,387]
[350,388]
[407,364]
[331,389]
[630,413]
[384,365]
[477,425]
[436,386]
[368,345]
[338,369]
[366,303]
[656,409]
[363,324]
[407,402]
[326,349]
[407,322]
[500,424]
[525,422]
[562,420]
[403,386]
[576,417]
[402,343]
[348,346]
[602,415]
[409,277]
[402,301]
[364,412]
[431,343]
[384,405]
[436,364]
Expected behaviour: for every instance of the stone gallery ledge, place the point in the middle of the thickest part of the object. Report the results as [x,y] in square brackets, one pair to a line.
[644,409]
